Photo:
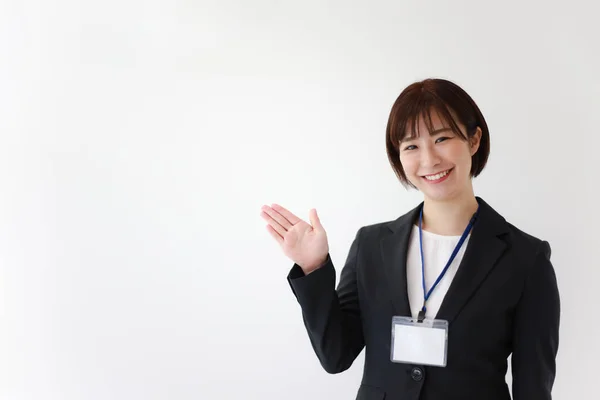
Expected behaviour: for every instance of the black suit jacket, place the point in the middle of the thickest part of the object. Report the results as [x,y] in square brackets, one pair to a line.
[504,299]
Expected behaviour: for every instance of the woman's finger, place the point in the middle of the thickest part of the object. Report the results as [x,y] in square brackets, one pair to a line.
[286,214]
[277,216]
[273,223]
[275,235]
[314,220]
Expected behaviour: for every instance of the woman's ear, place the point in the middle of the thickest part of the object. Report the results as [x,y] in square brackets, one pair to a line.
[474,141]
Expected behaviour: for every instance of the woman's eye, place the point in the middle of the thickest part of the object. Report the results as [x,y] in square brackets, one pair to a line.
[411,147]
[441,139]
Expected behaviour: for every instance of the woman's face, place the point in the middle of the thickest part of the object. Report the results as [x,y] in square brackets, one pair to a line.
[438,163]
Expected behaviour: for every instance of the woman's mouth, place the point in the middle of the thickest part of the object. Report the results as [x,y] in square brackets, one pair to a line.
[439,177]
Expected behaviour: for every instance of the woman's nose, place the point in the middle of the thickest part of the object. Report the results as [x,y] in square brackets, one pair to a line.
[429,158]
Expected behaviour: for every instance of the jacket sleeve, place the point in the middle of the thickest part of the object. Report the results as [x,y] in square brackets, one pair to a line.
[331,317]
[536,331]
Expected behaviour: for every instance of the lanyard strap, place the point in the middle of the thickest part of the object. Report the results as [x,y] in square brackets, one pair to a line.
[426,293]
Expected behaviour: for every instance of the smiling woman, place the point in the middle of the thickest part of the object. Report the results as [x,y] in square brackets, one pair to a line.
[444,294]
[456,137]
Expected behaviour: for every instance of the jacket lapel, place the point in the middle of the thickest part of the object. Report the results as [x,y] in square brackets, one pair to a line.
[483,250]
[394,249]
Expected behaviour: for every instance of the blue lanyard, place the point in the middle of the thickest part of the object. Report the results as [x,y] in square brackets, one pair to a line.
[421,316]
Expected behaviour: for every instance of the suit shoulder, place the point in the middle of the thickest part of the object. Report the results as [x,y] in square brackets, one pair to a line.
[383,228]
[375,227]
[526,242]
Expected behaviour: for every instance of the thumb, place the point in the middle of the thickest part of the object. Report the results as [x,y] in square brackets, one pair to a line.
[314,220]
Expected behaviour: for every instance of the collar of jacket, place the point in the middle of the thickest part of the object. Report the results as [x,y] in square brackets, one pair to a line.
[483,250]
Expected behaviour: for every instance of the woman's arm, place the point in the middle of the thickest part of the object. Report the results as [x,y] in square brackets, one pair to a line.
[536,331]
[332,317]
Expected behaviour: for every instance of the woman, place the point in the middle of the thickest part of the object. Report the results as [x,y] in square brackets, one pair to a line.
[443,295]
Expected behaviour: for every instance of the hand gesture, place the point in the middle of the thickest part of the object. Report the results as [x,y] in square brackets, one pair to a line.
[303,243]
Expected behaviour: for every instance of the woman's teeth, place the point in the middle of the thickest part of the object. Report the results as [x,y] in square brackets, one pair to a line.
[437,176]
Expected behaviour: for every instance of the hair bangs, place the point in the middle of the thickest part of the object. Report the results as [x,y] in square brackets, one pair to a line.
[409,122]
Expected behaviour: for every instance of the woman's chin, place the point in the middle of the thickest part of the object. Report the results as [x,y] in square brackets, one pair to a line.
[440,194]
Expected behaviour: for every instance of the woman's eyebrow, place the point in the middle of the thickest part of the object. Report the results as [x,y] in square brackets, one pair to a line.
[438,131]
[432,133]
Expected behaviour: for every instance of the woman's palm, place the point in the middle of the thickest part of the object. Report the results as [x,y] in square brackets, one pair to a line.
[301,242]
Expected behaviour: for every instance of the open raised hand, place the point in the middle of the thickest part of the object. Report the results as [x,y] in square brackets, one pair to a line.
[303,243]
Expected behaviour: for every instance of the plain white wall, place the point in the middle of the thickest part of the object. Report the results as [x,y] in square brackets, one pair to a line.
[140,138]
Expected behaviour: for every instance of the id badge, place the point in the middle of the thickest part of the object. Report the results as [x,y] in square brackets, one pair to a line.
[424,343]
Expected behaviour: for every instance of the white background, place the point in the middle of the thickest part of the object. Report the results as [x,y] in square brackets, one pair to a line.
[140,138]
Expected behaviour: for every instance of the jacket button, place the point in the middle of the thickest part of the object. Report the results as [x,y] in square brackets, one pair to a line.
[417,374]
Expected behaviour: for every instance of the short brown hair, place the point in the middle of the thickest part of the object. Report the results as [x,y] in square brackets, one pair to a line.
[449,100]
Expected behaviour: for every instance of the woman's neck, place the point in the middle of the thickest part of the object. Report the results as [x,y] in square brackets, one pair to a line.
[449,218]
